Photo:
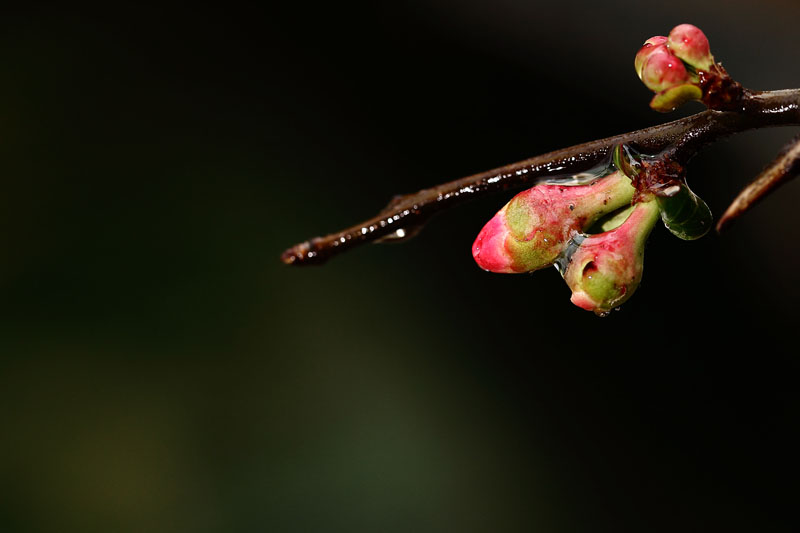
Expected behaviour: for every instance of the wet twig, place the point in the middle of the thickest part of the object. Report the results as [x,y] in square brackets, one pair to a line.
[679,139]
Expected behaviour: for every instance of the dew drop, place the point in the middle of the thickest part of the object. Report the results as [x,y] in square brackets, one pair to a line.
[401,234]
[565,257]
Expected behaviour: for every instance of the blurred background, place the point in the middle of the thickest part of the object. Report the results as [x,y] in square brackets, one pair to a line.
[161,370]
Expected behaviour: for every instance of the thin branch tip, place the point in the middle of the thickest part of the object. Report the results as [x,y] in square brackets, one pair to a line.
[302,254]
[778,172]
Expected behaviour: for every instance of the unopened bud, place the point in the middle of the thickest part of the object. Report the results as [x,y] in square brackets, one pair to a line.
[672,68]
[607,267]
[535,227]
[650,45]
[662,70]
[690,44]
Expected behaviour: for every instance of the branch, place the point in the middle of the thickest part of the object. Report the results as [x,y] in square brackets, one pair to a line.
[679,139]
[781,170]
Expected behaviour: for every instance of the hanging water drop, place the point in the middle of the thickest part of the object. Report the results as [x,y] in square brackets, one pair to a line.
[401,234]
[563,260]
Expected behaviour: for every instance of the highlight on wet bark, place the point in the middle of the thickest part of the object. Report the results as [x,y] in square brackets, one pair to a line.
[780,171]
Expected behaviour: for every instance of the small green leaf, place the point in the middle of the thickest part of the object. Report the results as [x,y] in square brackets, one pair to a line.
[685,214]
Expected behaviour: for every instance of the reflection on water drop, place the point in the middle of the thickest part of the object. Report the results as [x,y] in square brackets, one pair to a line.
[671,191]
[563,260]
[604,168]
[401,234]
[627,160]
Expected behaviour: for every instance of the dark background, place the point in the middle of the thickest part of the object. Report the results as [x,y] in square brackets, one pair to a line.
[160,370]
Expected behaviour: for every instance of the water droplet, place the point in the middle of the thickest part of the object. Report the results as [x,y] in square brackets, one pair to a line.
[627,160]
[563,260]
[603,168]
[401,234]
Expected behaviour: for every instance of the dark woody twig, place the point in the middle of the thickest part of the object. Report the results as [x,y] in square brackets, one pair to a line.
[679,139]
[781,170]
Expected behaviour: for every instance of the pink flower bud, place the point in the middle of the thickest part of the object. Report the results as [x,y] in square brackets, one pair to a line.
[607,267]
[662,70]
[691,45]
[534,228]
[650,45]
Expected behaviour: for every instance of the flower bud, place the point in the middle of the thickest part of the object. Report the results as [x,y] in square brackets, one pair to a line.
[690,44]
[650,45]
[662,70]
[534,228]
[669,67]
[606,268]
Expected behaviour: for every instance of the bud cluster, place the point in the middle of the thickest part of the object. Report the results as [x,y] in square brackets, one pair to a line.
[546,225]
[595,233]
[673,66]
